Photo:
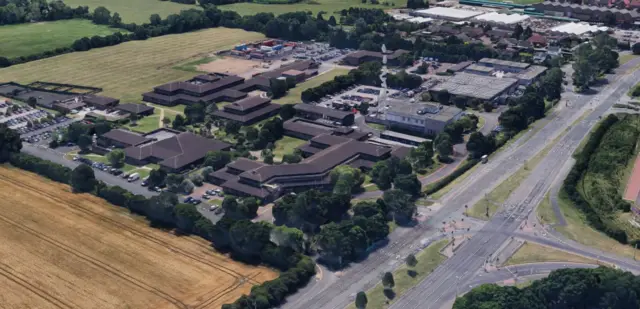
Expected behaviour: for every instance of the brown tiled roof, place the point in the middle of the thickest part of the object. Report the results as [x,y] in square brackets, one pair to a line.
[247,103]
[320,163]
[248,117]
[134,108]
[99,100]
[223,174]
[231,94]
[125,137]
[202,87]
[298,125]
[177,151]
[244,164]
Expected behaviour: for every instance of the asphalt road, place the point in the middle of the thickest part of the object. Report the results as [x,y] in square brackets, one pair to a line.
[438,287]
[441,285]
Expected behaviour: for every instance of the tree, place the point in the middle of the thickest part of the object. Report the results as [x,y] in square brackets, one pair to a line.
[174,182]
[116,20]
[288,237]
[217,159]
[268,158]
[422,156]
[166,121]
[178,122]
[232,127]
[400,204]
[186,217]
[409,184]
[361,300]
[10,142]
[444,146]
[101,16]
[387,280]
[197,179]
[32,101]
[157,178]
[291,158]
[83,179]
[287,111]
[161,208]
[187,186]
[411,260]
[635,48]
[116,157]
[206,171]
[479,145]
[84,142]
[443,97]
[517,32]
[278,88]
[527,33]
[249,238]
[346,179]
[155,19]
[332,21]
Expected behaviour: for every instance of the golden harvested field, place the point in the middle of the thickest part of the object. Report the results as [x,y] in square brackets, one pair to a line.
[62,250]
[127,70]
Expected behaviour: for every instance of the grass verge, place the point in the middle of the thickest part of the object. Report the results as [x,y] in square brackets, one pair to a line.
[428,260]
[34,38]
[535,253]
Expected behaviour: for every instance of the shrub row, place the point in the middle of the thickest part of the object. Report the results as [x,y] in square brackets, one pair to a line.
[434,187]
[297,268]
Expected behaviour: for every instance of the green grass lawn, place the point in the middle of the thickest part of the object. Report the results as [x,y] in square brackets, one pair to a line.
[535,253]
[192,66]
[286,145]
[294,94]
[315,6]
[148,123]
[134,11]
[626,58]
[428,260]
[34,38]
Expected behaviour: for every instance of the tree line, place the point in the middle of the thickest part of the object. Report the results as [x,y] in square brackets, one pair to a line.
[608,149]
[593,59]
[24,11]
[565,288]
[244,239]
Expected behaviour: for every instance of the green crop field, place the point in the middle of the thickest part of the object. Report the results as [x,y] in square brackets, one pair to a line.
[127,70]
[29,39]
[315,6]
[134,11]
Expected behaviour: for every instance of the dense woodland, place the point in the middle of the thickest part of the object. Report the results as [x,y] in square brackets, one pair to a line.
[563,289]
[24,11]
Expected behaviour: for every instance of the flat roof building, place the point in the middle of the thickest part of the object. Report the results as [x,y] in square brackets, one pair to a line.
[578,28]
[474,86]
[501,19]
[478,69]
[503,65]
[313,112]
[448,13]
[248,111]
[588,13]
[120,138]
[425,119]
[308,129]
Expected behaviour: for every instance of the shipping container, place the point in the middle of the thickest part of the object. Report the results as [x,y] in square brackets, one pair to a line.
[278,47]
[266,48]
[269,43]
[290,44]
[256,56]
[288,48]
[241,47]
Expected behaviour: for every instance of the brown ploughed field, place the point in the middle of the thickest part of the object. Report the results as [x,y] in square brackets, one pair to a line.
[64,250]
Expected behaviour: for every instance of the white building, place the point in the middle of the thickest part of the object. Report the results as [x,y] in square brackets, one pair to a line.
[448,13]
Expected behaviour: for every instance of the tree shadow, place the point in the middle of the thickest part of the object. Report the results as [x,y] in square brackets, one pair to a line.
[412,273]
[389,294]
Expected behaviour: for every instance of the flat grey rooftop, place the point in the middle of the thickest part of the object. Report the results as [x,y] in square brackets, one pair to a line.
[476,86]
[432,111]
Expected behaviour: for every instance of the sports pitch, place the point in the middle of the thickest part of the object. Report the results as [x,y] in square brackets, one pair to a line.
[62,250]
[127,70]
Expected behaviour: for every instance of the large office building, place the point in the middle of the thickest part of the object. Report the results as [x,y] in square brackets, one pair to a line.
[248,111]
[474,86]
[173,150]
[422,118]
[323,153]
[525,73]
[217,87]
[314,112]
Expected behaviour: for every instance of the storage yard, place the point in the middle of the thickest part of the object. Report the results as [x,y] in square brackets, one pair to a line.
[62,250]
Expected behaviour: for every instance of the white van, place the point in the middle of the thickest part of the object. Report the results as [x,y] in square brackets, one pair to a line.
[133,177]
